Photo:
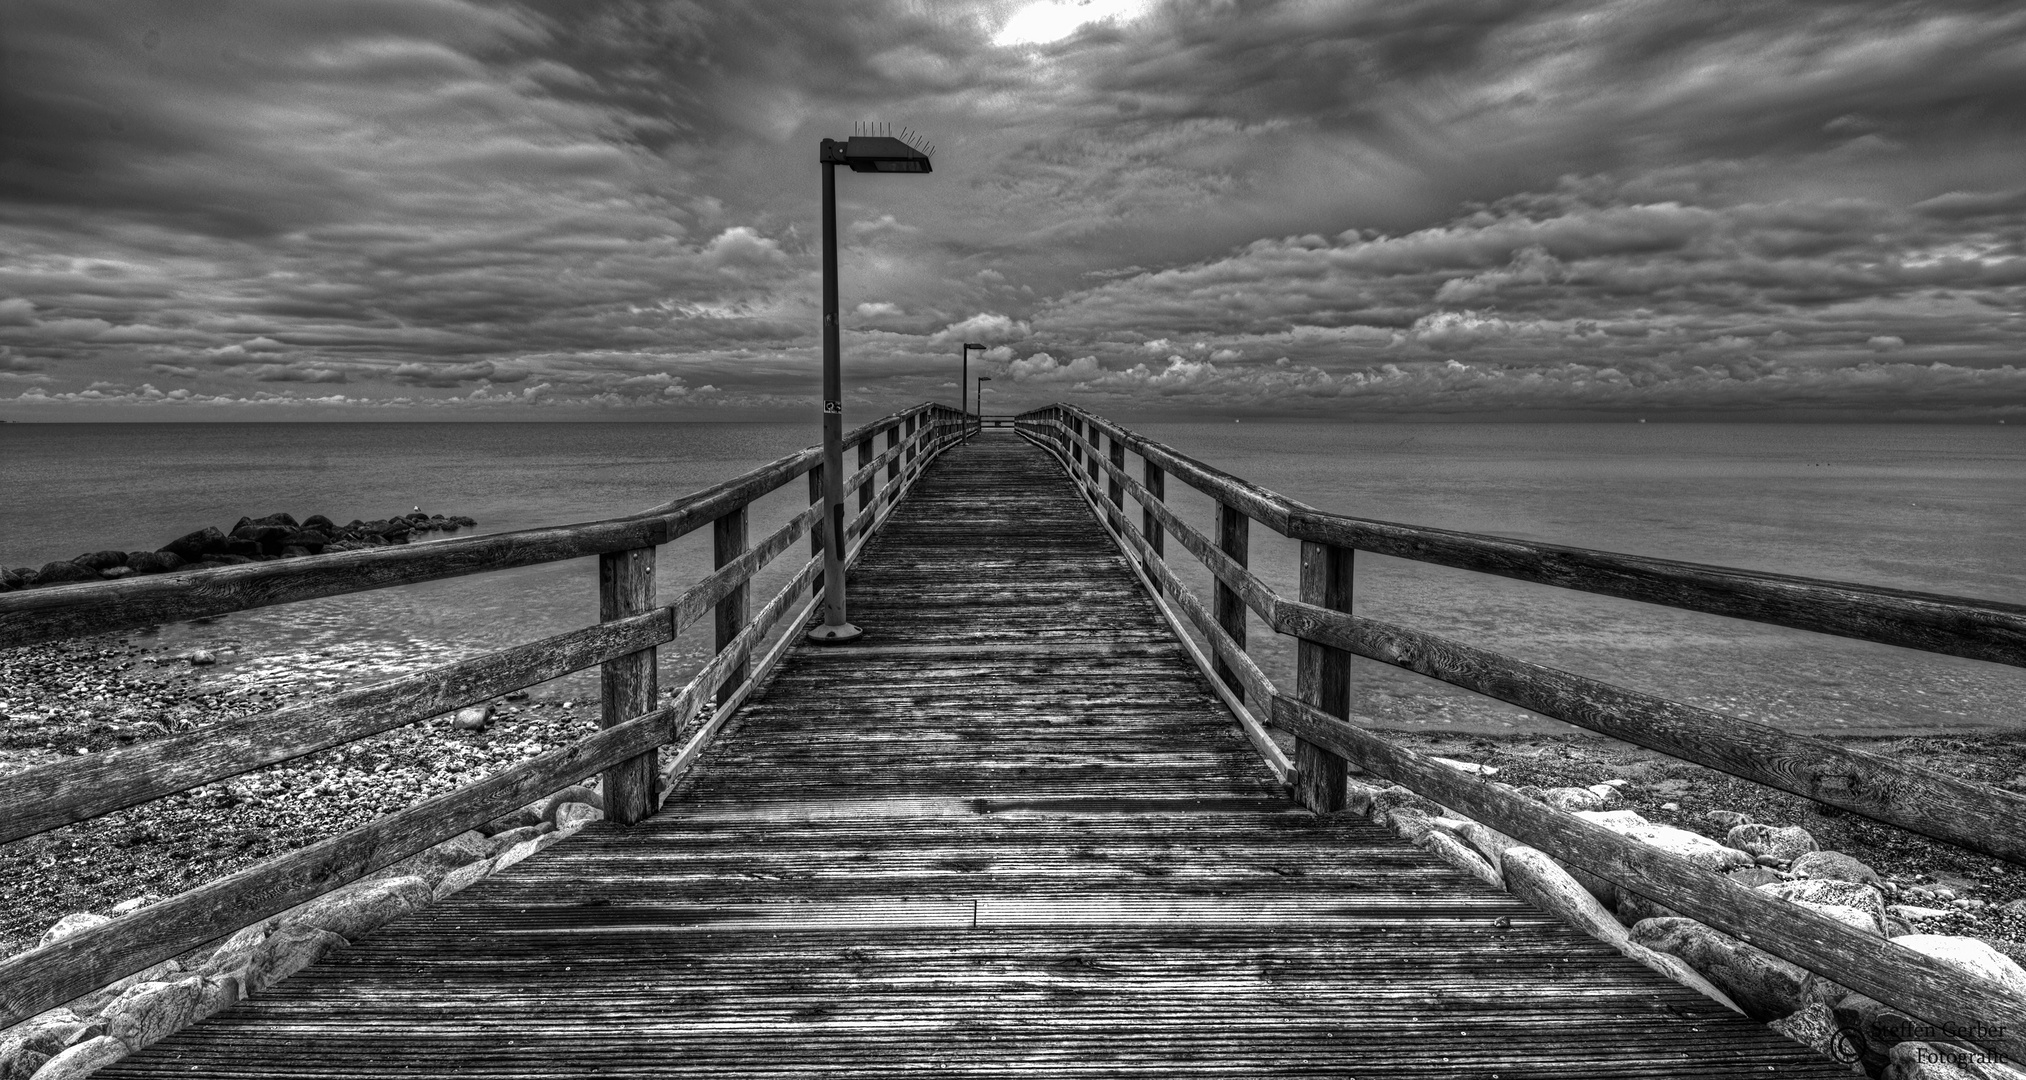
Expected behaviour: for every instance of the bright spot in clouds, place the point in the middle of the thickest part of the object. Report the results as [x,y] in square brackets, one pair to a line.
[1053,20]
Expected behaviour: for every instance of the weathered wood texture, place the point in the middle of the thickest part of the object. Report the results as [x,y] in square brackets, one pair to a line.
[1928,989]
[1008,833]
[1323,676]
[627,684]
[39,615]
[1975,815]
[1959,626]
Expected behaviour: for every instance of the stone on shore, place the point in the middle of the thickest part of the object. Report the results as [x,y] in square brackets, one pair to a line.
[101,560]
[1970,954]
[1695,847]
[194,546]
[147,1013]
[1860,907]
[154,562]
[1783,844]
[1833,866]
[75,923]
[359,909]
[1764,985]
[63,573]
[289,950]
[472,719]
[83,1059]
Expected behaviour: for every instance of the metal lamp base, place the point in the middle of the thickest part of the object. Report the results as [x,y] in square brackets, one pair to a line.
[834,635]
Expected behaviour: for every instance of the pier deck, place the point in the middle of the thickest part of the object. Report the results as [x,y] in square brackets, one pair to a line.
[1010,831]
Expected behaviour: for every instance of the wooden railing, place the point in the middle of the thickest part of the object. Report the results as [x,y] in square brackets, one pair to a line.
[1328,746]
[634,622]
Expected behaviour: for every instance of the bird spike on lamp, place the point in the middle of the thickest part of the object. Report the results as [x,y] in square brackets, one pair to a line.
[871,148]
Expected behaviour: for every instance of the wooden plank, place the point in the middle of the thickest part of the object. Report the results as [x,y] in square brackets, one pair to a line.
[1976,816]
[47,796]
[46,977]
[1985,1011]
[1323,677]
[1162,586]
[628,685]
[728,542]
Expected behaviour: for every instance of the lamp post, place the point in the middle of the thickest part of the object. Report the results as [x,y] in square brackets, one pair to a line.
[861,153]
[982,380]
[965,376]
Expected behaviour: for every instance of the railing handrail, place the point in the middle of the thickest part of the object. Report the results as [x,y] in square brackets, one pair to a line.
[1931,622]
[1977,816]
[34,616]
[633,624]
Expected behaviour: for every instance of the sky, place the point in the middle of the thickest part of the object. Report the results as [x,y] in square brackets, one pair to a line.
[1364,209]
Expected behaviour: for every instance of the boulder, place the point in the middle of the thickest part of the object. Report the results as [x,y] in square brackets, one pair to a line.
[150,1011]
[320,523]
[1751,877]
[215,561]
[362,907]
[101,560]
[1726,819]
[433,864]
[1695,847]
[25,1046]
[194,546]
[313,539]
[1813,1027]
[1878,1027]
[461,878]
[1970,954]
[63,573]
[1762,984]
[83,1059]
[1827,892]
[1783,844]
[1633,908]
[1358,796]
[282,520]
[1450,850]
[16,577]
[1834,866]
[289,950]
[75,923]
[576,793]
[1537,879]
[114,573]
[1575,798]
[1397,798]
[472,719]
[572,816]
[526,815]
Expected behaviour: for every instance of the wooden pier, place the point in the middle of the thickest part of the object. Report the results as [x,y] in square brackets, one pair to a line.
[1008,832]
[1021,827]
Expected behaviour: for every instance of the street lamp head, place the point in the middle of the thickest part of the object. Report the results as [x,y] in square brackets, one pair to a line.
[969,345]
[868,152]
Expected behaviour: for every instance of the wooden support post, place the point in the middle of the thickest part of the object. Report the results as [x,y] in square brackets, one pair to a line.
[1232,539]
[816,496]
[728,542]
[1156,483]
[865,485]
[1076,444]
[1323,677]
[892,463]
[628,690]
[1113,490]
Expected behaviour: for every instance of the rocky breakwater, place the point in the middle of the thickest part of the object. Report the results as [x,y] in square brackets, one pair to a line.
[1782,861]
[102,1027]
[276,536]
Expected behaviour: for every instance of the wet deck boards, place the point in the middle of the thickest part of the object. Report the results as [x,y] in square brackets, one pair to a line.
[1009,832]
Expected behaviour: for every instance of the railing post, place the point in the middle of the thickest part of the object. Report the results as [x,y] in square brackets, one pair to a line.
[728,542]
[816,496]
[1115,491]
[1233,529]
[865,485]
[892,464]
[627,685]
[1156,483]
[1323,677]
[1076,444]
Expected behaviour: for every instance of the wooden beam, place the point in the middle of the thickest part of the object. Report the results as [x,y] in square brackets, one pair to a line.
[1976,816]
[728,542]
[1323,677]
[60,792]
[1232,539]
[1268,507]
[1925,988]
[1153,490]
[628,684]
[46,977]
[1257,594]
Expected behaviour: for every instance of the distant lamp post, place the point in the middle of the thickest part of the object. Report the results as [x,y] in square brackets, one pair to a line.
[966,376]
[865,152]
[982,380]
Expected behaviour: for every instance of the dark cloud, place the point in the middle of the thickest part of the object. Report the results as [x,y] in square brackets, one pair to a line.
[610,203]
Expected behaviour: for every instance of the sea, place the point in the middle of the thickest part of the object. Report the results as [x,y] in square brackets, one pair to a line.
[1929,507]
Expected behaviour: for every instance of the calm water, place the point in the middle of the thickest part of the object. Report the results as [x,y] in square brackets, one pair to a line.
[1935,508]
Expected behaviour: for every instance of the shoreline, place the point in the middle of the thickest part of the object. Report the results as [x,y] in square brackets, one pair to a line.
[93,694]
